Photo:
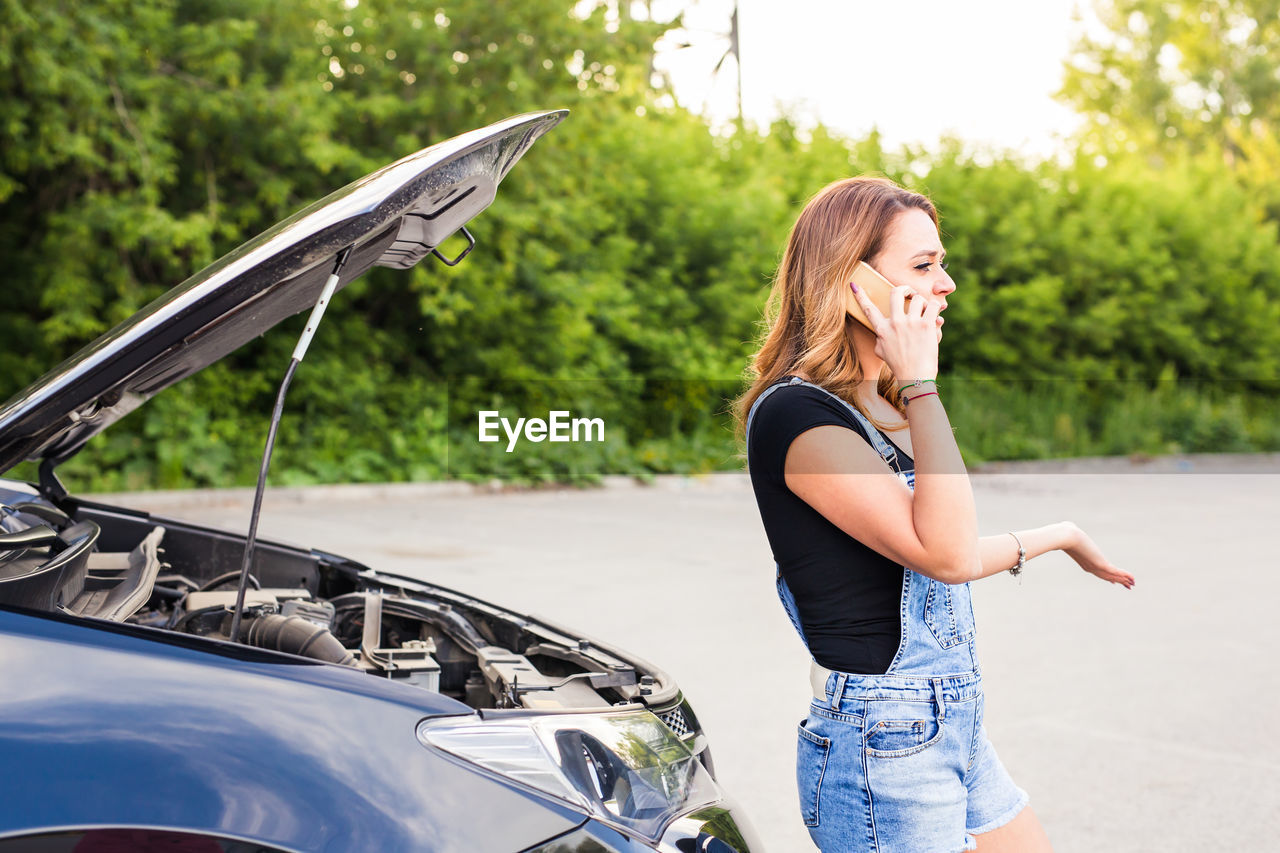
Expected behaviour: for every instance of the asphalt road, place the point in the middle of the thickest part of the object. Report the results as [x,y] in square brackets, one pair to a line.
[1138,720]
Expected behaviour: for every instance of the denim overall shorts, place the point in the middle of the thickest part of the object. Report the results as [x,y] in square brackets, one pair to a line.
[900,762]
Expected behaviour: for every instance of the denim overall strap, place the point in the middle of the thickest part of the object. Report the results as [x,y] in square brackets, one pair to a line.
[764,395]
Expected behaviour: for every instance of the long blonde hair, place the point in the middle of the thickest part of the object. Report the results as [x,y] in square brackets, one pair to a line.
[846,222]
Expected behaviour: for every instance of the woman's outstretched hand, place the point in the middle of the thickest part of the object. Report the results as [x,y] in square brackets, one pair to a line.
[1086,553]
[907,339]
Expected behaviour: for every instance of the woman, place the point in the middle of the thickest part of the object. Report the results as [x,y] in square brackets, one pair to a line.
[871,519]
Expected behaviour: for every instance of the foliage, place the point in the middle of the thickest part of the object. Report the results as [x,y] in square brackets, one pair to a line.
[1185,69]
[1054,418]
[1113,271]
[620,274]
[1184,76]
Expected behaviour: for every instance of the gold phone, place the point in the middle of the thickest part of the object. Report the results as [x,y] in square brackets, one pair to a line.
[874,285]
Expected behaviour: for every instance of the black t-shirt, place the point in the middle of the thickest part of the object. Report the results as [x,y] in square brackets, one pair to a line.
[847,595]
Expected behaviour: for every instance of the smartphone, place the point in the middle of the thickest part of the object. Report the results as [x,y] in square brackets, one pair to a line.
[873,284]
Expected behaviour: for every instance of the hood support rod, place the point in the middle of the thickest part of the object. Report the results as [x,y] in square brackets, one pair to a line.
[50,486]
[299,352]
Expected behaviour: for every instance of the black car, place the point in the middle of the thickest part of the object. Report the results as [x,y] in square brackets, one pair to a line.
[170,686]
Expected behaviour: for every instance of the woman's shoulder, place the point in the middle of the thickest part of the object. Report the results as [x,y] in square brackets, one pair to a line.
[792,391]
[796,405]
[790,410]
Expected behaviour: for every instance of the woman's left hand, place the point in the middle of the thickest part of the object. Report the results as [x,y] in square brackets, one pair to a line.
[1086,553]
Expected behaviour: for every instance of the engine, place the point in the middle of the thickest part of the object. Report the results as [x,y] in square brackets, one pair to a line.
[173,577]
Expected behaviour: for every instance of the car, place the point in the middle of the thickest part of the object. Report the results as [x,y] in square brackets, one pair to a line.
[173,686]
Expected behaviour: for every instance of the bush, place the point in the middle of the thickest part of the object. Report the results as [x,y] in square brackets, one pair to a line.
[1102,307]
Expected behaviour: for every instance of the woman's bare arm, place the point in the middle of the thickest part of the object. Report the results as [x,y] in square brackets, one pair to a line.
[835,471]
[1000,552]
[934,531]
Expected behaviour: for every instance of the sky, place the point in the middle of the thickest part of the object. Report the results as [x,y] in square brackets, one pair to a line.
[983,70]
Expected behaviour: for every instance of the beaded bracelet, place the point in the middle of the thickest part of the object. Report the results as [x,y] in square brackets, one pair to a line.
[906,399]
[1022,556]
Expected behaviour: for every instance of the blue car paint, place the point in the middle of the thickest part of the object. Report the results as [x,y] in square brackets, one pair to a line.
[102,724]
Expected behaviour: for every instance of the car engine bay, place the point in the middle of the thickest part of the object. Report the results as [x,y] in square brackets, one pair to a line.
[103,563]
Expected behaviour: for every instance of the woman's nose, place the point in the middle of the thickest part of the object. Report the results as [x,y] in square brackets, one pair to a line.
[944,284]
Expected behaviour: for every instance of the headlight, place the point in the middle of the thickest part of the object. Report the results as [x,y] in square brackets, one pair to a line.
[625,768]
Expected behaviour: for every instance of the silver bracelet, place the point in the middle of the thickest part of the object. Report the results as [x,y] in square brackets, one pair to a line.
[1022,556]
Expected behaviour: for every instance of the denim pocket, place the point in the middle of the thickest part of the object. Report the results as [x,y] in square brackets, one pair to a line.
[948,612]
[812,751]
[890,738]
[897,729]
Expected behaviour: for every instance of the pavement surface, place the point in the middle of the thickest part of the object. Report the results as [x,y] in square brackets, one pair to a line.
[1138,720]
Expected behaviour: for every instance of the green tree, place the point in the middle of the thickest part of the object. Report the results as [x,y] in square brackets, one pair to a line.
[1196,73]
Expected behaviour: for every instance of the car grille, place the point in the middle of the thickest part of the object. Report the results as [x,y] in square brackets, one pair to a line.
[675,721]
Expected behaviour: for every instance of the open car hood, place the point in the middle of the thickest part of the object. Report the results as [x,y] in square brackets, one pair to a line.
[393,218]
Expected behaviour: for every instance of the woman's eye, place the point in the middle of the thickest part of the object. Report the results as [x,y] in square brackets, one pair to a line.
[925,266]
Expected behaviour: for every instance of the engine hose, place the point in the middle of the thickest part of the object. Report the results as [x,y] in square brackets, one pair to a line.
[297,636]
